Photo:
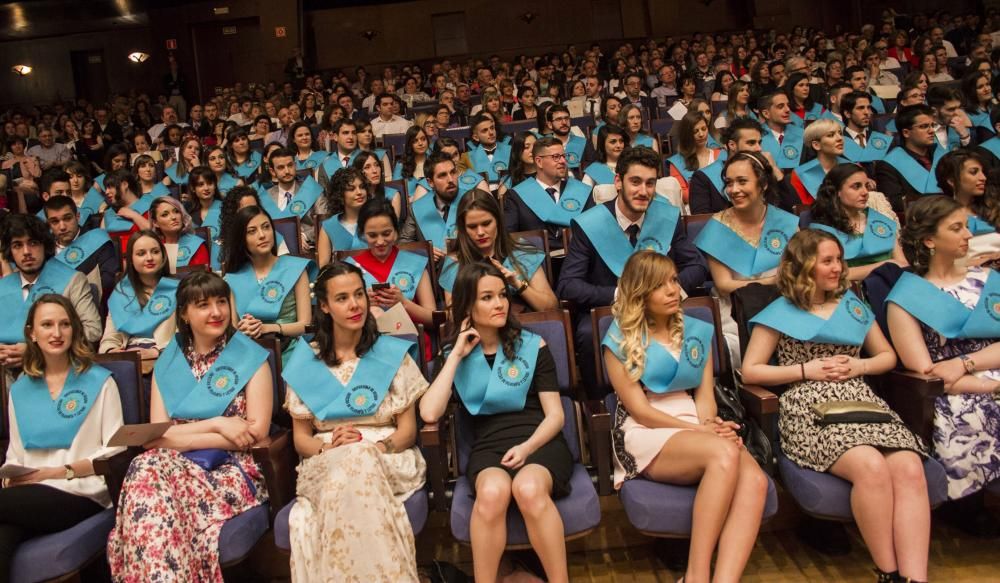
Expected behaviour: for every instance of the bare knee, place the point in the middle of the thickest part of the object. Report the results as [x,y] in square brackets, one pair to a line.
[871,470]
[492,498]
[724,457]
[752,478]
[532,495]
[907,470]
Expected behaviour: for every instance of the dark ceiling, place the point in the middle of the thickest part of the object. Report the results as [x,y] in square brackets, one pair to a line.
[46,18]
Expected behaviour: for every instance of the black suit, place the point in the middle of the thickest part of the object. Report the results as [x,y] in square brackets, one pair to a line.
[519,217]
[589,283]
[105,259]
[892,184]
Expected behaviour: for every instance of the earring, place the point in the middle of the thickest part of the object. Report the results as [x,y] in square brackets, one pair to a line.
[932,251]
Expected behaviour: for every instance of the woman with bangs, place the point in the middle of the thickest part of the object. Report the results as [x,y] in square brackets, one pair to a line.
[482,236]
[87,198]
[611,142]
[817,329]
[213,384]
[225,175]
[366,143]
[144,169]
[189,158]
[245,161]
[824,144]
[666,426]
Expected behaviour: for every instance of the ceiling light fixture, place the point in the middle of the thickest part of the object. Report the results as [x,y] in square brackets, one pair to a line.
[22,70]
[138,57]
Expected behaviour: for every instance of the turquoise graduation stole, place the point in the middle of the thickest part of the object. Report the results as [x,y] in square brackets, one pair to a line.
[412,182]
[712,143]
[954,142]
[728,248]
[978,226]
[527,263]
[600,173]
[114,223]
[830,115]
[53,279]
[847,325]
[890,126]
[405,274]
[327,397]
[44,423]
[922,180]
[991,145]
[677,161]
[574,150]
[99,180]
[187,246]
[213,219]
[879,237]
[310,163]
[502,388]
[877,104]
[247,168]
[174,177]
[786,154]
[597,128]
[432,226]
[714,174]
[572,199]
[467,181]
[187,398]
[981,119]
[875,149]
[158,190]
[482,164]
[811,174]
[814,113]
[83,247]
[334,163]
[227,182]
[263,299]
[135,320]
[611,242]
[91,204]
[643,139]
[306,194]
[340,237]
[662,372]
[944,313]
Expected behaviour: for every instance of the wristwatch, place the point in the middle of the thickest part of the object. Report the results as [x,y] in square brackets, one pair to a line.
[70,474]
[968,363]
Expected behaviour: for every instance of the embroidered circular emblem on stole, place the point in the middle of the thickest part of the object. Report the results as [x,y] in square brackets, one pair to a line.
[72,404]
[857,310]
[222,381]
[272,291]
[694,352]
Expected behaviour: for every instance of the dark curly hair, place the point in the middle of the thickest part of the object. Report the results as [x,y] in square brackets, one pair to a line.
[30,226]
[342,180]
[828,210]
[640,155]
[324,323]
[463,300]
[922,220]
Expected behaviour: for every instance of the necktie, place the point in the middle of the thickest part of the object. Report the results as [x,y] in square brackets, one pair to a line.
[288,198]
[861,140]
[27,289]
[590,107]
[346,160]
[781,138]
[633,233]
[552,193]
[444,212]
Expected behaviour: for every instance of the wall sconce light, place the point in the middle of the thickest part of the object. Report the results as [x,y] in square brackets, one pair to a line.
[528,17]
[138,57]
[370,34]
[22,70]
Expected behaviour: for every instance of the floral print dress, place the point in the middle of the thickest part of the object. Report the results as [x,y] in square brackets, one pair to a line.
[171,511]
[966,426]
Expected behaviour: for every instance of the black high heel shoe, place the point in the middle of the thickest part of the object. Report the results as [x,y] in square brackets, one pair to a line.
[883,577]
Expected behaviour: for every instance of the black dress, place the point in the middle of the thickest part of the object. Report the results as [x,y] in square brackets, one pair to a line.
[495,434]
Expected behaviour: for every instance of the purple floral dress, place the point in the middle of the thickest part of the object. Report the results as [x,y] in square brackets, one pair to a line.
[966,426]
[171,511]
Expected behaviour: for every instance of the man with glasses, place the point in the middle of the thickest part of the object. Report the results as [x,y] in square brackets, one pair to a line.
[578,149]
[909,169]
[633,93]
[548,200]
[907,96]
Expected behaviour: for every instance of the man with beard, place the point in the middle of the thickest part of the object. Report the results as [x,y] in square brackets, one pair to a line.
[579,151]
[128,210]
[434,211]
[89,252]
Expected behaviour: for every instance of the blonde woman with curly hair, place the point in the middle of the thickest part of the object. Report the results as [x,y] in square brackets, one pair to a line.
[656,357]
[818,329]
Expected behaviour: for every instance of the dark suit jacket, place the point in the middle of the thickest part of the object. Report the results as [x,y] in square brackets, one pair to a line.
[892,184]
[588,282]
[106,259]
[518,217]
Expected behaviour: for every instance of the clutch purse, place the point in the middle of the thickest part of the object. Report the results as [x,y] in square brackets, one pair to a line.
[210,459]
[850,412]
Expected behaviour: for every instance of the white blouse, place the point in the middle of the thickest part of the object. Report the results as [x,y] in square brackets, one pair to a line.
[103,420]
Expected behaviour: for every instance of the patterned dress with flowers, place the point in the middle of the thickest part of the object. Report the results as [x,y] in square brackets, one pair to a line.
[966,426]
[171,511]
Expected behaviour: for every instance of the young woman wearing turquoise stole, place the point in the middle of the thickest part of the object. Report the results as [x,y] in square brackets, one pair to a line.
[236,199]
[693,152]
[63,410]
[818,329]
[173,225]
[270,293]
[344,197]
[205,200]
[144,169]
[943,322]
[611,142]
[352,396]
[369,165]
[522,161]
[744,243]
[611,107]
[215,159]
[481,235]
[384,263]
[246,162]
[656,357]
[962,175]
[410,166]
[308,156]
[505,378]
[824,140]
[190,156]
[630,118]
[88,199]
[862,221]
[214,384]
[366,143]
[141,307]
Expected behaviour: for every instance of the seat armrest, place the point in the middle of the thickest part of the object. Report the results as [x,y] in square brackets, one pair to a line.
[758,401]
[433,443]
[598,420]
[113,469]
[911,395]
[277,459]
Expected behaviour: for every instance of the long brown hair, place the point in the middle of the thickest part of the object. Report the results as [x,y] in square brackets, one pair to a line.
[463,299]
[81,356]
[504,245]
[324,322]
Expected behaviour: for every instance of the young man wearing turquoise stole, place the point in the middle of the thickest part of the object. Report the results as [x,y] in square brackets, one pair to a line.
[486,155]
[290,197]
[990,149]
[781,139]
[548,200]
[127,211]
[579,151]
[862,144]
[954,128]
[605,236]
[345,140]
[857,76]
[90,252]
[834,98]
[909,169]
[28,244]
[434,211]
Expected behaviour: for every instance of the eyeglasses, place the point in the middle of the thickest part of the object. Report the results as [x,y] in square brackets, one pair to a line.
[555,157]
[561,118]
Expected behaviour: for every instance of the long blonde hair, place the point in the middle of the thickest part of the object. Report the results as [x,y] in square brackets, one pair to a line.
[795,272]
[80,353]
[644,273]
